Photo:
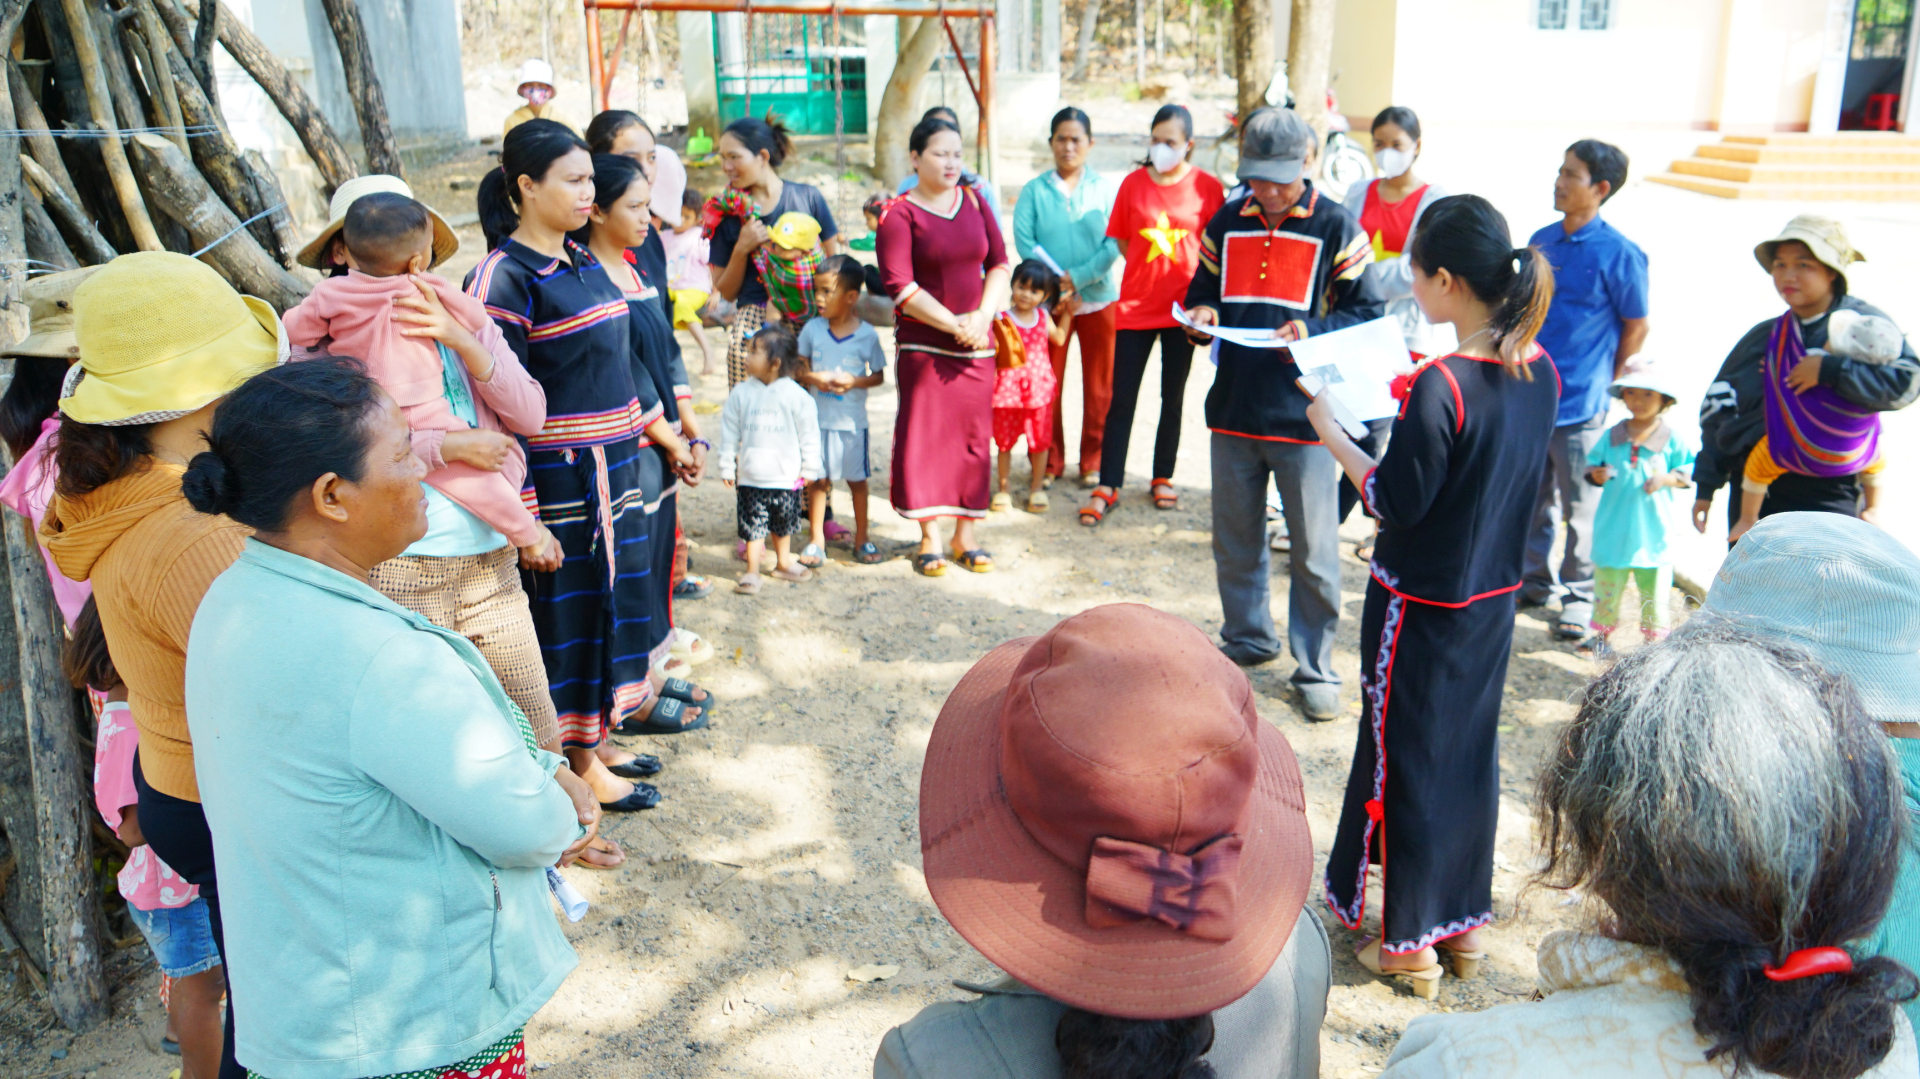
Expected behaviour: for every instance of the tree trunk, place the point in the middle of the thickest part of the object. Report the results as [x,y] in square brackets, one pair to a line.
[113,63]
[40,141]
[44,244]
[158,73]
[184,195]
[1252,53]
[651,36]
[206,29]
[93,247]
[1083,45]
[286,239]
[1139,42]
[71,920]
[100,105]
[323,146]
[13,233]
[1310,60]
[895,120]
[16,769]
[363,86]
[219,161]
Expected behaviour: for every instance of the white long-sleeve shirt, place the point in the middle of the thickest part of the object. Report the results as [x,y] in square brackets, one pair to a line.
[769,435]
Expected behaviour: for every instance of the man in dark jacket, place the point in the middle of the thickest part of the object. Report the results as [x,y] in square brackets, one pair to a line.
[1281,258]
[1733,414]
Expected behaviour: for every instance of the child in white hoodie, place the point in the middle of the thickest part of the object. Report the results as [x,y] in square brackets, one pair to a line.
[769,450]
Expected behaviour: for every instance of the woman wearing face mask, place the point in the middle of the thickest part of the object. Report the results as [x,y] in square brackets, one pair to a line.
[1158,216]
[1389,211]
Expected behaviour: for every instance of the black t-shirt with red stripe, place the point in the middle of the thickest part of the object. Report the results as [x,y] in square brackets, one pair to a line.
[1455,491]
[1310,270]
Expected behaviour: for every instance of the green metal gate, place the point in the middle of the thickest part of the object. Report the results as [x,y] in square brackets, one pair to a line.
[785,63]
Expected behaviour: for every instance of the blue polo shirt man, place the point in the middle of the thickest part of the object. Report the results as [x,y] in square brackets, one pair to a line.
[1598,320]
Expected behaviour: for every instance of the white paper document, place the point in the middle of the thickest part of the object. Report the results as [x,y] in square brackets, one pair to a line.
[1356,366]
[1251,338]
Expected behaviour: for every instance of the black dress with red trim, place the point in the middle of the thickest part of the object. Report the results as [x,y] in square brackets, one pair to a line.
[1453,495]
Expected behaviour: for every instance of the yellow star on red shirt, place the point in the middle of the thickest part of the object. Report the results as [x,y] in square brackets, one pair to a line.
[1163,239]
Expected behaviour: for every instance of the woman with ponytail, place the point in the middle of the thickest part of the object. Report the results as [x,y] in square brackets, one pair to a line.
[1452,496]
[1737,821]
[751,153]
[569,323]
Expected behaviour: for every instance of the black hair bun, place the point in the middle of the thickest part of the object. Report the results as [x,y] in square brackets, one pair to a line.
[209,484]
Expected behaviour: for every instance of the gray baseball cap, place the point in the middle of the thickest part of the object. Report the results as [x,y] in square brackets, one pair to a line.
[1274,144]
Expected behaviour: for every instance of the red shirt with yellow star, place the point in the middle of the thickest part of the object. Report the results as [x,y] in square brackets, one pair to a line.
[1159,227]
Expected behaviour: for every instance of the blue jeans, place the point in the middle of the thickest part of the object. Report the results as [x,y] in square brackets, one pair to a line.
[181,938]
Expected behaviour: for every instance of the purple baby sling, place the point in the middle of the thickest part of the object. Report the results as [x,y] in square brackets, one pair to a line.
[1816,433]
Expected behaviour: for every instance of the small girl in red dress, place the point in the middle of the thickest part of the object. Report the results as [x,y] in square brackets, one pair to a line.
[1024,396]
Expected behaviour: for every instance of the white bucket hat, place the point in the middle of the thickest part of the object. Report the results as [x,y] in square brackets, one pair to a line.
[445,243]
[535,70]
[1839,587]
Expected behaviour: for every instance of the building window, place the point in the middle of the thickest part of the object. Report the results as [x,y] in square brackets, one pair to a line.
[1880,29]
[1596,14]
[1551,14]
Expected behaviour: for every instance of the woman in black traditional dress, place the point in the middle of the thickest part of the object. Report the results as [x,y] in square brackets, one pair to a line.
[1453,495]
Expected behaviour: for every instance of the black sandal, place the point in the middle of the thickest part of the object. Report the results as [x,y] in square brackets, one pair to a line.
[977,560]
[644,796]
[671,710]
[929,565]
[680,689]
[640,767]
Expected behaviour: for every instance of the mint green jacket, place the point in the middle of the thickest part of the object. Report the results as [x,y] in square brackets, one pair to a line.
[1073,230]
[380,827]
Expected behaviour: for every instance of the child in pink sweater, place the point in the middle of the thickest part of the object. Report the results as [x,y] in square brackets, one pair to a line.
[389,245]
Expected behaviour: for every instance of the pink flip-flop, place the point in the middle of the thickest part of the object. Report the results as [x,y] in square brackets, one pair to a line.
[835,531]
[796,575]
[748,584]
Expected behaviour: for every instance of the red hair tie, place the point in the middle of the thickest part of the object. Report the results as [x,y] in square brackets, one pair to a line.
[1808,962]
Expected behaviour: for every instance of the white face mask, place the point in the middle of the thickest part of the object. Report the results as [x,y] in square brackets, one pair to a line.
[1165,158]
[1393,162]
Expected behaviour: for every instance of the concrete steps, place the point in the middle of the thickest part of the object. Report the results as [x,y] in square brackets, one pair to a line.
[1855,165]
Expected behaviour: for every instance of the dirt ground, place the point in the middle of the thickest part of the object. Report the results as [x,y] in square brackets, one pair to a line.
[786,852]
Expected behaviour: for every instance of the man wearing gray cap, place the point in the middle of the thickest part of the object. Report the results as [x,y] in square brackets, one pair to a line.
[1279,258]
[1849,594]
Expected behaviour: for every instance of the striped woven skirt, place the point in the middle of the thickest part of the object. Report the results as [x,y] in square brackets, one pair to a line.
[600,617]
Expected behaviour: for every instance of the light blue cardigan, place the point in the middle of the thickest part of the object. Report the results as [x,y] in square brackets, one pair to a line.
[380,827]
[1073,230]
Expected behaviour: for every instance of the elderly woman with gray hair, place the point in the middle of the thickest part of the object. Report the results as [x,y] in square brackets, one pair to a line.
[1737,818]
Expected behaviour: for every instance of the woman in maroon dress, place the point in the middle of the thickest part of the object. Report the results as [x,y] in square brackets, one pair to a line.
[943,260]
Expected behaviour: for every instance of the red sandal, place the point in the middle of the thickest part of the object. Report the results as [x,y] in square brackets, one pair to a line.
[1091,516]
[1168,501]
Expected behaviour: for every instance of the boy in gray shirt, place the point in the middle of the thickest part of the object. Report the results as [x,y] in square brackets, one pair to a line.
[846,360]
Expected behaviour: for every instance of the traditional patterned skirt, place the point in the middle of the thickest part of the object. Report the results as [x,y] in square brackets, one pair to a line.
[596,616]
[1423,798]
[943,438]
[504,1059]
[747,320]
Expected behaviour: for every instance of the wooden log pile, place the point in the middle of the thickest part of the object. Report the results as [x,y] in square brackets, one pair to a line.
[112,141]
[122,146]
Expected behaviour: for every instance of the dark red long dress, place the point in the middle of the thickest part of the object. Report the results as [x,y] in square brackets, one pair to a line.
[943,439]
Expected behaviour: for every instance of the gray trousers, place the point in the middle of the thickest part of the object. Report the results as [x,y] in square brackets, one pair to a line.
[1308,480]
[1565,492]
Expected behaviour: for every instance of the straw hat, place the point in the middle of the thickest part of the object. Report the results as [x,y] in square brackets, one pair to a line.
[161,335]
[50,306]
[1824,236]
[1104,816]
[1838,587]
[445,243]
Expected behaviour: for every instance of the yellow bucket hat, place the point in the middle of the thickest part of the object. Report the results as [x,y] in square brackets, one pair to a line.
[50,306]
[162,335]
[445,243]
[796,231]
[1824,236]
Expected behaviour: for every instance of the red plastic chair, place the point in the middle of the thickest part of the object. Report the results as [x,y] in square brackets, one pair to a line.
[1880,113]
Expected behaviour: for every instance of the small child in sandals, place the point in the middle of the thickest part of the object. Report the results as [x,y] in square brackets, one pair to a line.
[844,360]
[769,451]
[1024,393]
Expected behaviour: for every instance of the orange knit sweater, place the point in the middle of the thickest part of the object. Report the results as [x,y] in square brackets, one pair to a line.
[151,557]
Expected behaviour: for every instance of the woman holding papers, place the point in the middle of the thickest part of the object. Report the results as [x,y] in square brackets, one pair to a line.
[1158,215]
[1062,218]
[1453,495]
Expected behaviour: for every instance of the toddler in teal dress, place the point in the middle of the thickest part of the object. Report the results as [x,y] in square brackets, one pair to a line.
[1640,462]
